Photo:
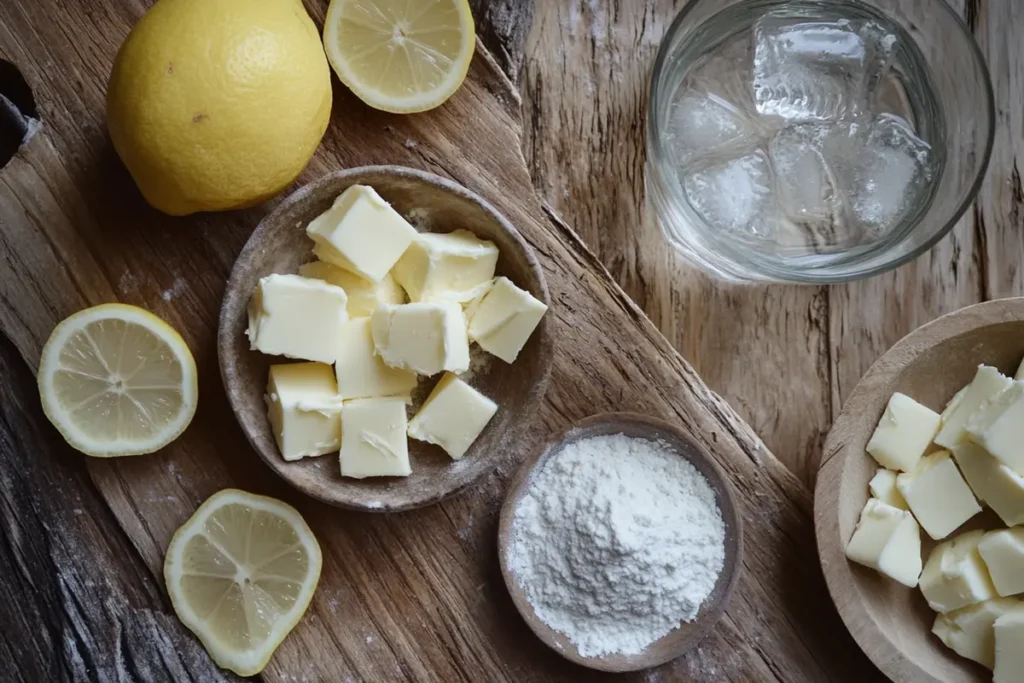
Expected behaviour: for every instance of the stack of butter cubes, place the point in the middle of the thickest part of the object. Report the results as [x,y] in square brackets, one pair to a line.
[975,580]
[384,305]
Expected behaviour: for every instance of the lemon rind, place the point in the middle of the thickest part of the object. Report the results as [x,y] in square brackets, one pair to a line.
[250,662]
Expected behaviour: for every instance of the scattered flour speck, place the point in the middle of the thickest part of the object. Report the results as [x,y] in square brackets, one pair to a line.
[175,290]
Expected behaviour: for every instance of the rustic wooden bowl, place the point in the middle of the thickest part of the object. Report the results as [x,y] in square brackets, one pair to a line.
[279,245]
[890,622]
[686,635]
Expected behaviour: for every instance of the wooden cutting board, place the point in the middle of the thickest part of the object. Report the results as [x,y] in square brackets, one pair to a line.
[413,596]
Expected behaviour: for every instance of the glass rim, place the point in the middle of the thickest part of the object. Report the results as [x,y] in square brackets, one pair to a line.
[845,271]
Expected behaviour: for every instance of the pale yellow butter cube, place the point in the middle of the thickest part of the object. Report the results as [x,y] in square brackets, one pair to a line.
[361,233]
[298,317]
[993,483]
[887,540]
[903,434]
[1003,553]
[938,495]
[453,416]
[1008,631]
[304,409]
[373,442]
[883,487]
[424,337]
[504,319]
[449,265]
[955,574]
[951,407]
[988,383]
[998,427]
[969,631]
[361,372]
[363,296]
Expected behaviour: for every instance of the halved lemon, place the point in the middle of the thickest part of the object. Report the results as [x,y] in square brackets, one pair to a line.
[117,380]
[241,572]
[401,56]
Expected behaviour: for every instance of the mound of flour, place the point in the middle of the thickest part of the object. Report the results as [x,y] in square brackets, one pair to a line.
[617,541]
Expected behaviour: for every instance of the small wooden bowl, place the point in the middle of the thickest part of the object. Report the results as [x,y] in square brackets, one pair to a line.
[681,639]
[890,622]
[280,245]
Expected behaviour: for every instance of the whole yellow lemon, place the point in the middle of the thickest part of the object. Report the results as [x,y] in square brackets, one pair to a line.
[218,104]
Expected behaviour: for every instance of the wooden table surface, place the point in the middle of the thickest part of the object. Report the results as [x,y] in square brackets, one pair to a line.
[784,357]
[417,596]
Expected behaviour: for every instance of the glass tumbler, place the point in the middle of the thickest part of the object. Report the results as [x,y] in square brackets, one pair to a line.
[954,114]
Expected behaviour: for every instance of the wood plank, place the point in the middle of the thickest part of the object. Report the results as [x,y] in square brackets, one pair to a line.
[76,601]
[415,596]
[762,348]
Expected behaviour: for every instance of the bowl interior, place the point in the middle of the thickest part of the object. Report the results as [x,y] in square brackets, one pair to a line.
[684,637]
[280,245]
[893,623]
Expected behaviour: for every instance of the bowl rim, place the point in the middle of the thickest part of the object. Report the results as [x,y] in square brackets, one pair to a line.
[836,455]
[228,363]
[709,613]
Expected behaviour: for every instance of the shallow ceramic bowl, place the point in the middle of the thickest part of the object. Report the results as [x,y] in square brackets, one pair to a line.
[890,622]
[280,245]
[681,639]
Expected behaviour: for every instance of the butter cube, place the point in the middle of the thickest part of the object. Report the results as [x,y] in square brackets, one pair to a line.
[904,433]
[361,233]
[955,575]
[993,483]
[1003,553]
[883,487]
[361,372]
[938,495]
[969,631]
[373,442]
[446,264]
[951,407]
[304,409]
[504,319]
[424,337]
[298,317]
[363,296]
[887,540]
[998,427]
[988,383]
[1008,631]
[1020,372]
[453,416]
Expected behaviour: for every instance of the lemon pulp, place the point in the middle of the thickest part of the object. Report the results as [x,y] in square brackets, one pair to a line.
[241,573]
[397,55]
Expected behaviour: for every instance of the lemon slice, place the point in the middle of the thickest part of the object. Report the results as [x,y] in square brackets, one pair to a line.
[401,56]
[241,572]
[117,380]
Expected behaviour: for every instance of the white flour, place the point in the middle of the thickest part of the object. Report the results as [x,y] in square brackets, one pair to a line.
[616,542]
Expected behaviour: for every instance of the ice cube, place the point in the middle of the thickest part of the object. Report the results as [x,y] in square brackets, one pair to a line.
[734,194]
[883,168]
[702,122]
[818,71]
[806,184]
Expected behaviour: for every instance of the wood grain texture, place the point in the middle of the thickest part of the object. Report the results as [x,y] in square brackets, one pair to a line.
[416,596]
[890,621]
[784,357]
[765,349]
